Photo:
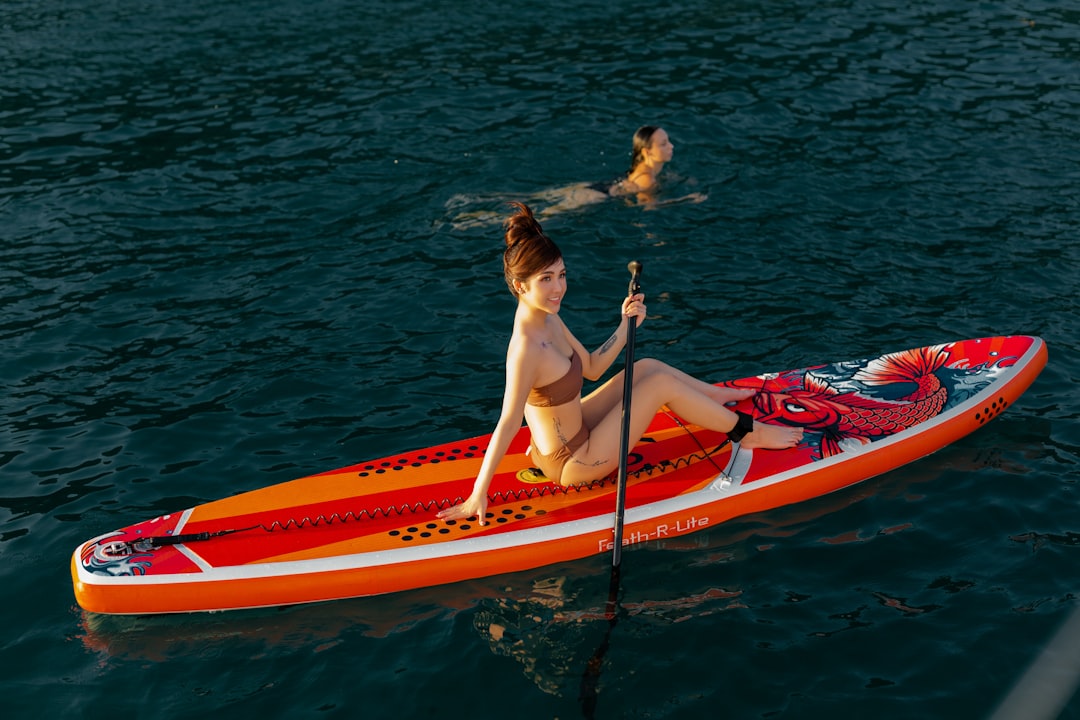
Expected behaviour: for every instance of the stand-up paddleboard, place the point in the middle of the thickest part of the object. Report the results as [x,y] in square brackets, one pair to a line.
[371,528]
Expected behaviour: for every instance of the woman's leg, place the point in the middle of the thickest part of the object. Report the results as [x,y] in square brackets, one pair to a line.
[653,390]
[609,395]
[651,366]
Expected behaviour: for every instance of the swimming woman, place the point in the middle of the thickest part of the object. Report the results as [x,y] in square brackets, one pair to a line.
[650,151]
[576,440]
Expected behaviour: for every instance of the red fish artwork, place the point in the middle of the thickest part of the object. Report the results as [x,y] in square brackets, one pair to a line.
[852,413]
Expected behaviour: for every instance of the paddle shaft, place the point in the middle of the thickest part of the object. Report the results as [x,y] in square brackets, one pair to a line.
[624,446]
[590,680]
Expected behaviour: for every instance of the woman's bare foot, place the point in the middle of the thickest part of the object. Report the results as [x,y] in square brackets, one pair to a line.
[725,395]
[771,437]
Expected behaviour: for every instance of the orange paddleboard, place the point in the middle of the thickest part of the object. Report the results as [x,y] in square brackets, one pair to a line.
[371,528]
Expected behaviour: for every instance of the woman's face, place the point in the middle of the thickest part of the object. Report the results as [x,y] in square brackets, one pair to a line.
[660,147]
[545,289]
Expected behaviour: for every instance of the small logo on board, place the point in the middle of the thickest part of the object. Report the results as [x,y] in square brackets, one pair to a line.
[533,476]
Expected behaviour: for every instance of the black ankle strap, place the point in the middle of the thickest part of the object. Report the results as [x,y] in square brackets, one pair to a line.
[743,427]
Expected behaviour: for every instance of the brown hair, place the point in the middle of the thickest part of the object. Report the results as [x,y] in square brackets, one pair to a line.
[642,139]
[528,249]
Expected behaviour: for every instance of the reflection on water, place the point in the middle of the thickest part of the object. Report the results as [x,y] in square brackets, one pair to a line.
[554,642]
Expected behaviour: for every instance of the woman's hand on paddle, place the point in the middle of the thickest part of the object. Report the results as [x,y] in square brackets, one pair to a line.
[635,307]
[473,506]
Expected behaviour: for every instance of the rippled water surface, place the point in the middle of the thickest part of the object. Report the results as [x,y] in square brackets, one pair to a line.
[232,253]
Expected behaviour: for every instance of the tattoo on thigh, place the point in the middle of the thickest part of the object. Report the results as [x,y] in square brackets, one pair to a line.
[564,440]
[559,433]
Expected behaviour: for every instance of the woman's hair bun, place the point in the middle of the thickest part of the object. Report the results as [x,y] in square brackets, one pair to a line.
[521,225]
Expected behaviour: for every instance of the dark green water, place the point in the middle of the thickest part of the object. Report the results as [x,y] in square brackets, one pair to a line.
[227,261]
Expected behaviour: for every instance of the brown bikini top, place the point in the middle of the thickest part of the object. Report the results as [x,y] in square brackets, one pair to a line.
[563,390]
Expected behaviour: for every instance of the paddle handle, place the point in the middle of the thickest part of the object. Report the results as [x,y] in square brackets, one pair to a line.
[624,445]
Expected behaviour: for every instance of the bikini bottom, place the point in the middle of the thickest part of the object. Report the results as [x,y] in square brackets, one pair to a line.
[552,465]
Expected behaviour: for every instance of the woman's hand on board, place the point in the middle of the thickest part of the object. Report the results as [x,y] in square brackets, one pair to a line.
[472,506]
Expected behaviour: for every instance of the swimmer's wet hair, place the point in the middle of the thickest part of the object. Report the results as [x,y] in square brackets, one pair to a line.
[642,140]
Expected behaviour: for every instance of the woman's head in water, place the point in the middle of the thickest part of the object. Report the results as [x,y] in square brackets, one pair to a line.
[650,142]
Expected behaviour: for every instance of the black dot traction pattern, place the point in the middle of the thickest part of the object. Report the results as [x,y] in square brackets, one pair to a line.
[433,458]
[432,529]
[991,411]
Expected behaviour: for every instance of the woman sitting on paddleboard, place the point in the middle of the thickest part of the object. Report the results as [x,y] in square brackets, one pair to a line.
[576,440]
[651,150]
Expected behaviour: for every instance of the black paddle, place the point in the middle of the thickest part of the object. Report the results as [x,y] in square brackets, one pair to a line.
[624,448]
[591,678]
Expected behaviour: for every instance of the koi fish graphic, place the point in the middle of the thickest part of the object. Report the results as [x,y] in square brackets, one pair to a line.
[854,415]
